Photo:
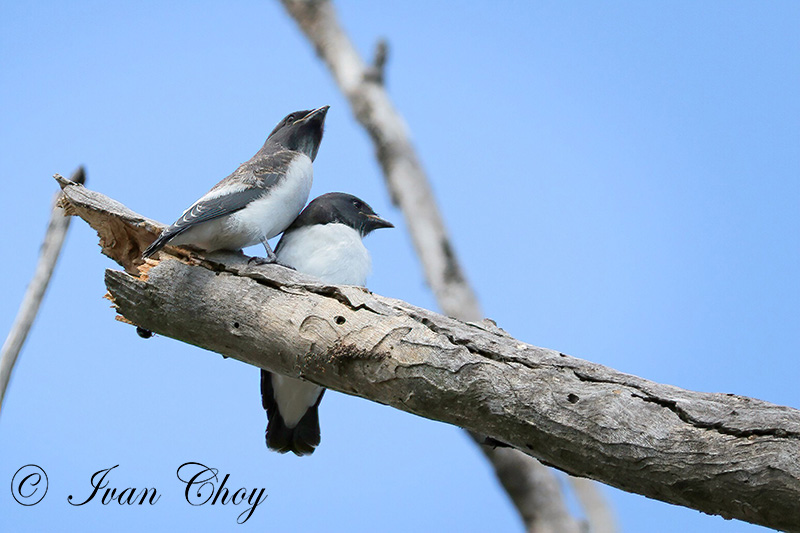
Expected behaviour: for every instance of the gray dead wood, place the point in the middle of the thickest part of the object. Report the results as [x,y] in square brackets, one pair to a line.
[718,453]
[534,491]
[48,257]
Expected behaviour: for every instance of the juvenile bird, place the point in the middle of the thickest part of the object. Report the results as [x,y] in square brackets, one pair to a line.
[324,241]
[261,198]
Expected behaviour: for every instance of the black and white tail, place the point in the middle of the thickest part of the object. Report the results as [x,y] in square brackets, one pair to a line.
[300,439]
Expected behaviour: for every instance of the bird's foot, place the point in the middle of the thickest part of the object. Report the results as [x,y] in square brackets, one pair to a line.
[258,261]
[261,261]
[271,258]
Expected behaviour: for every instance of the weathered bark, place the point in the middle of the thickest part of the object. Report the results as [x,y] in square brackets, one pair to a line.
[29,308]
[718,453]
[534,492]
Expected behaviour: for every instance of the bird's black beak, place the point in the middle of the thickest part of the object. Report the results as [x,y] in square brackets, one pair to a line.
[310,129]
[318,115]
[375,222]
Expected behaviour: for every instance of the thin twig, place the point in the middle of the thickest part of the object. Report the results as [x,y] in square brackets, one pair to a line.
[48,256]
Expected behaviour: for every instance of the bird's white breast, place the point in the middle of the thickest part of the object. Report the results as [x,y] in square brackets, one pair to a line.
[332,252]
[272,213]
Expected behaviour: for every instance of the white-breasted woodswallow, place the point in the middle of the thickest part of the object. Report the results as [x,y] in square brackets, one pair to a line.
[261,198]
[325,242]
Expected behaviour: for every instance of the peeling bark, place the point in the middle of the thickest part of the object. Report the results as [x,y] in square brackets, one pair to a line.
[718,453]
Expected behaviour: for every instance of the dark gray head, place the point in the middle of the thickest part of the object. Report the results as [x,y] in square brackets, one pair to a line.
[340,208]
[300,131]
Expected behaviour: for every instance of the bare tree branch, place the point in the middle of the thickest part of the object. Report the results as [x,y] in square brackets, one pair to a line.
[718,453]
[533,490]
[48,256]
[598,512]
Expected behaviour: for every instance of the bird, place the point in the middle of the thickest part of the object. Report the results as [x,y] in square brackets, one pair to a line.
[260,199]
[324,241]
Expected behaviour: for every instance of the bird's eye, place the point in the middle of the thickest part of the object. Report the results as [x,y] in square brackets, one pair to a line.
[289,119]
[357,204]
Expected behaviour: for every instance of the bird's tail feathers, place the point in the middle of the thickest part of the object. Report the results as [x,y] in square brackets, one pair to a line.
[162,240]
[154,247]
[301,439]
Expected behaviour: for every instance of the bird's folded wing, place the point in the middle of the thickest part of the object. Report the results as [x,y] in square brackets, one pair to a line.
[227,198]
[210,207]
[250,181]
[219,202]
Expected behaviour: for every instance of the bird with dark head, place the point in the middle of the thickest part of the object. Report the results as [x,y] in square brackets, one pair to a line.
[325,241]
[260,199]
[300,131]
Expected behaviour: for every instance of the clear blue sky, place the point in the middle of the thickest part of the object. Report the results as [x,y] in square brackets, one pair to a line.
[621,182]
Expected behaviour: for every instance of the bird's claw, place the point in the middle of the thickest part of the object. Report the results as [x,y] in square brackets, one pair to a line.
[261,261]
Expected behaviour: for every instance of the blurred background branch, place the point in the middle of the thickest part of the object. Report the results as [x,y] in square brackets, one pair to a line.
[532,487]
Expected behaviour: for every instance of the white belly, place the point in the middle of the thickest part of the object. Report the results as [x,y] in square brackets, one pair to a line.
[293,397]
